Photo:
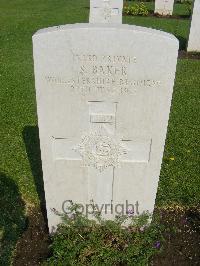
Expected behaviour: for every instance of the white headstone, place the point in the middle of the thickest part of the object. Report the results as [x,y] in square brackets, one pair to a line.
[194,37]
[103,101]
[164,7]
[106,11]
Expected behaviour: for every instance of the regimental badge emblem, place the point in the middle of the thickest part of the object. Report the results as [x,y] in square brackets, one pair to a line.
[100,150]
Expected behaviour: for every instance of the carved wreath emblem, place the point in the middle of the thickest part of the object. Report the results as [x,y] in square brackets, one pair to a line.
[100,151]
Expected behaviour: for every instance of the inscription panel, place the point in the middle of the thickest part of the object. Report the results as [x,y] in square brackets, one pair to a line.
[102,118]
[103,74]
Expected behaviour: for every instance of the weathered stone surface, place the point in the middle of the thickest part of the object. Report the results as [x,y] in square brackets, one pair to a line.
[103,101]
[106,11]
[164,7]
[194,37]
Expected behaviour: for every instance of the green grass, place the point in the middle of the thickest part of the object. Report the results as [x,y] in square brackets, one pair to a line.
[180,178]
[21,179]
[181,9]
[178,27]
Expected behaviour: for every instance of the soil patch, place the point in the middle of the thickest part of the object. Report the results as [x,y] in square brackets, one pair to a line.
[188,55]
[33,247]
[169,17]
[181,246]
[182,238]
[156,15]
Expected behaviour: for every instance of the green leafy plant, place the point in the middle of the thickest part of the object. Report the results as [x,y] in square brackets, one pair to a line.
[138,9]
[80,241]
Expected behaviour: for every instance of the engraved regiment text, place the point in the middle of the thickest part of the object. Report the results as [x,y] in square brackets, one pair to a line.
[103,74]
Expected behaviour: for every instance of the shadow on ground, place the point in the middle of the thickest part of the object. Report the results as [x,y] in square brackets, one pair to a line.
[12,218]
[182,43]
[33,246]
[32,144]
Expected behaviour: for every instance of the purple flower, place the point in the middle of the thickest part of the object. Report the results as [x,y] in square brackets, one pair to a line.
[130,212]
[157,244]
[184,221]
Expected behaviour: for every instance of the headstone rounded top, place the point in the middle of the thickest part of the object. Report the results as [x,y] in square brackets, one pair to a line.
[100,26]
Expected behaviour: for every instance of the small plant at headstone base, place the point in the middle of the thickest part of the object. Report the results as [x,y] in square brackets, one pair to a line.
[138,9]
[82,241]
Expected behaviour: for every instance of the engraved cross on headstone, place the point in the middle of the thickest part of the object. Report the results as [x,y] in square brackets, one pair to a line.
[106,11]
[101,150]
